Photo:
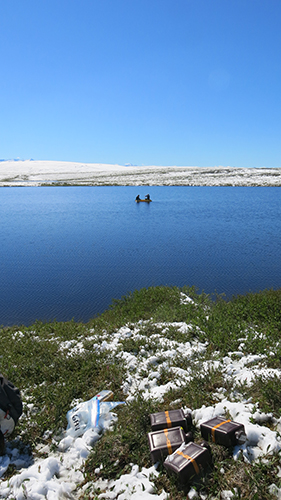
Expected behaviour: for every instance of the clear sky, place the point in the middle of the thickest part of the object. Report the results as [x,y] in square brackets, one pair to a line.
[146,82]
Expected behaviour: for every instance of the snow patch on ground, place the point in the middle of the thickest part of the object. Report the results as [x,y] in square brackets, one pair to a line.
[58,475]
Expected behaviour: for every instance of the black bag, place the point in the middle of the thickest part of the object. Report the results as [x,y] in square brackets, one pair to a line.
[10,400]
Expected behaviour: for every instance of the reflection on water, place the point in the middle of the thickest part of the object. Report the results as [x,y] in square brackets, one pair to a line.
[67,252]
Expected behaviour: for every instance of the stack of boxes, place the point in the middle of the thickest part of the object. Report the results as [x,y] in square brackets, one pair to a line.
[171,441]
[169,432]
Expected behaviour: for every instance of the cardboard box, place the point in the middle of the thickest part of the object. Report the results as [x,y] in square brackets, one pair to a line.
[166,441]
[223,431]
[188,461]
[168,419]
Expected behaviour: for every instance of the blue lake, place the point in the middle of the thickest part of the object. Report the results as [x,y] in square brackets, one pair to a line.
[66,252]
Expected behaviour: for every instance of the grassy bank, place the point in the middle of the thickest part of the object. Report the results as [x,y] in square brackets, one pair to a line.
[56,364]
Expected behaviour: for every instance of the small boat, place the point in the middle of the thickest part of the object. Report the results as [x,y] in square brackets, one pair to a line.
[147,201]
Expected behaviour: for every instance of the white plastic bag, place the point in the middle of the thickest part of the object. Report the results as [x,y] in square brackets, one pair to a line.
[87,415]
[82,417]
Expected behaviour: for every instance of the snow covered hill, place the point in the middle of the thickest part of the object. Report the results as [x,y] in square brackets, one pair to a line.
[36,173]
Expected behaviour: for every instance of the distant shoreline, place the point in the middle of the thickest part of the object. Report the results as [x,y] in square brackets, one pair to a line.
[28,173]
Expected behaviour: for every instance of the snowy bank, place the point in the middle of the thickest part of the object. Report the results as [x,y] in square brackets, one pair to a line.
[37,173]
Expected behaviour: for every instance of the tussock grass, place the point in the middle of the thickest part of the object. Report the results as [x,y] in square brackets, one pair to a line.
[56,364]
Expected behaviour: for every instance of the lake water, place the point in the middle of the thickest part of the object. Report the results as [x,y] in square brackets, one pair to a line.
[66,252]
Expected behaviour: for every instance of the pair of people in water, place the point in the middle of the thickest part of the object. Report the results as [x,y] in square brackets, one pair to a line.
[147,197]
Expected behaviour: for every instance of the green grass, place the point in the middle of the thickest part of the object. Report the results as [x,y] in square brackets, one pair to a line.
[55,364]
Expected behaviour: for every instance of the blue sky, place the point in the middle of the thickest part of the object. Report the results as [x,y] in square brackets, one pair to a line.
[147,82]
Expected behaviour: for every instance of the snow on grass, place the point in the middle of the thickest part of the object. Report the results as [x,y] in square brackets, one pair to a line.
[152,368]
